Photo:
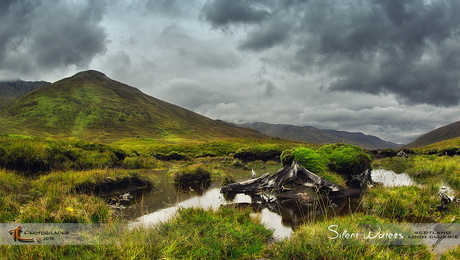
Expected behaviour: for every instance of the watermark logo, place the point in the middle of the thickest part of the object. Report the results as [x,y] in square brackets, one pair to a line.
[54,233]
[397,234]
[16,232]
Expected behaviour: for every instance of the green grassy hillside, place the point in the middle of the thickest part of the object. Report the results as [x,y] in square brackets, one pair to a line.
[91,106]
[440,146]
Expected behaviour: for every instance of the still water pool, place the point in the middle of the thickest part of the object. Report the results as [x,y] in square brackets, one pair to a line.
[162,204]
[392,179]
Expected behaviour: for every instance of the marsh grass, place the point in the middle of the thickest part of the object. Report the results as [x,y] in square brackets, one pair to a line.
[417,203]
[11,187]
[9,208]
[220,148]
[55,197]
[11,182]
[453,253]
[402,203]
[409,204]
[224,233]
[313,241]
[193,233]
[79,208]
[426,169]
[193,173]
[140,162]
[70,181]
[429,168]
[123,250]
[34,155]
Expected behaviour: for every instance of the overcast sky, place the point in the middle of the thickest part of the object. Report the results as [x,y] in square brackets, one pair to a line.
[388,68]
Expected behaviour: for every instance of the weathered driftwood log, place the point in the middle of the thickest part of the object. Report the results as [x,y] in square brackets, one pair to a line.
[288,174]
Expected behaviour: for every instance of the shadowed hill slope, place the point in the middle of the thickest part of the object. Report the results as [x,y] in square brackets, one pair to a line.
[319,136]
[9,90]
[90,105]
[442,133]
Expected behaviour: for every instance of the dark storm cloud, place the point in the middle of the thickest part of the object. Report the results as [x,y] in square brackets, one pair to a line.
[407,48]
[5,5]
[42,35]
[266,37]
[222,13]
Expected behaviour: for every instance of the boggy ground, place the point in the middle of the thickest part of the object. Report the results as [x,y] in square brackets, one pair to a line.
[54,193]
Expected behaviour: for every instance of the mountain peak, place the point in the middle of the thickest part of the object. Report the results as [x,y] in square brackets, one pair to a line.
[90,75]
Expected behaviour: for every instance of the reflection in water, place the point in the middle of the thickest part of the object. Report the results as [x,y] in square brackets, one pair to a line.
[196,188]
[273,221]
[391,179]
[213,199]
[279,215]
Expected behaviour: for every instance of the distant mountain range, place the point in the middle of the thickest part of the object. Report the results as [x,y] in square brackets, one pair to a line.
[89,105]
[320,136]
[10,90]
[440,134]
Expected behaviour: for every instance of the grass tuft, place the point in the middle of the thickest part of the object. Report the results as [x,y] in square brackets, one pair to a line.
[192,174]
